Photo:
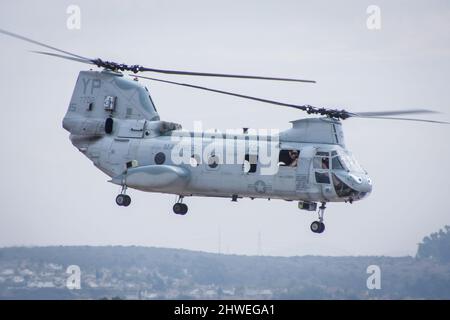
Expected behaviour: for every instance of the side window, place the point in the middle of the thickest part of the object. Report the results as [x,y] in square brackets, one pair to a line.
[213,161]
[288,158]
[322,177]
[321,163]
[194,160]
[322,160]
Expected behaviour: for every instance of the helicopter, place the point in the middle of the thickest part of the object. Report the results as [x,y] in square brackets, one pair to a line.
[113,121]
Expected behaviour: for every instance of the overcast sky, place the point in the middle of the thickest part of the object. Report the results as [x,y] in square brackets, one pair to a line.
[52,195]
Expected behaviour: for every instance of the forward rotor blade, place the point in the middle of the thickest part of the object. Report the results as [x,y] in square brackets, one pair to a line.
[64,57]
[41,44]
[403,119]
[221,75]
[226,93]
[333,113]
[393,113]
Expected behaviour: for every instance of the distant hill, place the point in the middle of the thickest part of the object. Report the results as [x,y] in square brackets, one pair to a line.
[156,273]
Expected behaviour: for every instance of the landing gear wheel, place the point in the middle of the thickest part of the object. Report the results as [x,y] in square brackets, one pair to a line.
[120,199]
[127,200]
[316,226]
[123,200]
[180,208]
[319,226]
[322,228]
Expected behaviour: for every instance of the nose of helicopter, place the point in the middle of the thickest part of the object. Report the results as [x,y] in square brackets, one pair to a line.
[363,185]
[352,186]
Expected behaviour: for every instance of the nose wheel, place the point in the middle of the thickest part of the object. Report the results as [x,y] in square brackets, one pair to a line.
[319,226]
[123,200]
[179,207]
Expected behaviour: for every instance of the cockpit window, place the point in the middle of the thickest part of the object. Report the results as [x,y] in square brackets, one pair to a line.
[322,177]
[321,163]
[342,189]
[337,164]
[344,160]
[322,153]
[350,162]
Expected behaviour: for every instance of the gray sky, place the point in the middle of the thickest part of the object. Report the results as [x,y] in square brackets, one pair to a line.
[52,195]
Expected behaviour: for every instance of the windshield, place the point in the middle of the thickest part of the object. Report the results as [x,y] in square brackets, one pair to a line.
[346,158]
[337,163]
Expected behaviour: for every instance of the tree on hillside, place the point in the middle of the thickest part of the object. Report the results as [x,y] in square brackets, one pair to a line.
[436,246]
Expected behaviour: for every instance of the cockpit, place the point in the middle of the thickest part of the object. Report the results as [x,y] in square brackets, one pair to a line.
[340,168]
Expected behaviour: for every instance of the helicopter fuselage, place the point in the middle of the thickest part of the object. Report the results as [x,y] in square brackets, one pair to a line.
[149,164]
[113,121]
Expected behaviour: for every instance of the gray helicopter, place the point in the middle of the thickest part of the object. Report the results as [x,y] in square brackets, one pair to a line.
[113,121]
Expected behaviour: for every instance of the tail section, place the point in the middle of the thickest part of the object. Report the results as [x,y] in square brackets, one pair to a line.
[100,98]
[107,116]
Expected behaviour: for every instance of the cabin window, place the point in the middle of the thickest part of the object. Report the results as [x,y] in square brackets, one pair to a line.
[250,163]
[288,158]
[194,161]
[213,161]
[160,158]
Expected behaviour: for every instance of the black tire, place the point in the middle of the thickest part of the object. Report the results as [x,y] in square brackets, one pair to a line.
[120,200]
[322,227]
[127,200]
[184,209]
[178,208]
[315,227]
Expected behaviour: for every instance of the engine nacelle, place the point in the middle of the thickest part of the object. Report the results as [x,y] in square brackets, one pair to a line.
[86,127]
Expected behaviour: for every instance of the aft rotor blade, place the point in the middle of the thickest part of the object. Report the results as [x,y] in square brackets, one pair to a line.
[14,35]
[138,68]
[222,75]
[393,113]
[63,57]
[226,93]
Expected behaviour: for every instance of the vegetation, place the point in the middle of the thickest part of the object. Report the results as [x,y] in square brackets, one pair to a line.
[436,246]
